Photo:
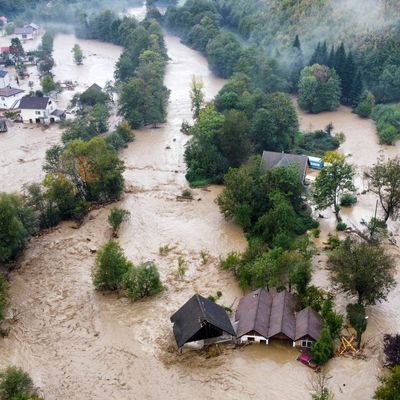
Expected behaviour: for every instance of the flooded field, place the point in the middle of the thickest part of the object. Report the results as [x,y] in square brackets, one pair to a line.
[79,344]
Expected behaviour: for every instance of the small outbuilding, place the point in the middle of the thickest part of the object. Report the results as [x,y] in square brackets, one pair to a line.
[200,319]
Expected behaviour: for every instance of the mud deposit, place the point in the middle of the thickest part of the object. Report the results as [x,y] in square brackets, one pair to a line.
[79,344]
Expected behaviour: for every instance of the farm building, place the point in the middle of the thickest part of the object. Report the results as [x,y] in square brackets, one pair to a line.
[200,319]
[268,315]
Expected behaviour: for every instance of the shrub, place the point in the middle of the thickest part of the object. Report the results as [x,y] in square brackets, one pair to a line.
[357,319]
[389,388]
[187,193]
[347,200]
[316,232]
[333,320]
[116,218]
[15,384]
[3,295]
[341,226]
[333,241]
[365,105]
[205,256]
[392,349]
[232,261]
[164,250]
[322,349]
[142,281]
[182,267]
[110,268]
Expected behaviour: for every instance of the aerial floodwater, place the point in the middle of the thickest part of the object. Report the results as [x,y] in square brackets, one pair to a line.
[79,344]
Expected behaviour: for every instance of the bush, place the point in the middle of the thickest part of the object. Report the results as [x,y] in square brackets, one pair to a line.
[347,200]
[142,281]
[389,388]
[116,217]
[365,105]
[3,295]
[110,268]
[15,384]
[357,319]
[341,226]
[392,349]
[182,267]
[322,349]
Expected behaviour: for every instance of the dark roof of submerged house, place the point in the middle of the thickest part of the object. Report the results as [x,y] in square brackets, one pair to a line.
[271,159]
[194,315]
[95,86]
[34,103]
[308,323]
[270,314]
[267,313]
[9,91]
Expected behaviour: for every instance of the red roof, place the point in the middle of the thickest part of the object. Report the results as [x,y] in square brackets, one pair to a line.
[4,49]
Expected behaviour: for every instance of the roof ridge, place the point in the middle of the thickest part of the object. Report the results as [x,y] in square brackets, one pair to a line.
[258,306]
[203,313]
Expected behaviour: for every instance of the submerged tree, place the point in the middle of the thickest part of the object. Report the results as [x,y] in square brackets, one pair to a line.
[389,387]
[116,217]
[78,54]
[196,96]
[357,319]
[363,270]
[333,181]
[392,349]
[385,182]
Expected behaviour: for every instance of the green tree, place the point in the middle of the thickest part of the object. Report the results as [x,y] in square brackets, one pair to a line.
[322,349]
[17,224]
[116,217]
[16,48]
[365,104]
[357,319]
[332,183]
[46,46]
[319,89]
[46,64]
[78,54]
[142,281]
[332,320]
[363,270]
[389,388]
[385,182]
[110,268]
[197,96]
[14,382]
[48,84]
[234,141]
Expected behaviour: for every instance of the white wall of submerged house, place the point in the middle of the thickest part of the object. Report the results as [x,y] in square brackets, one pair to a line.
[4,79]
[304,343]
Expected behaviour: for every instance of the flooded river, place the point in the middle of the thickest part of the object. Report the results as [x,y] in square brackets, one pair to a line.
[79,344]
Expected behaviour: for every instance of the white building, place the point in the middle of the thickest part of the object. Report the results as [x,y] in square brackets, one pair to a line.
[40,110]
[10,97]
[4,79]
[25,33]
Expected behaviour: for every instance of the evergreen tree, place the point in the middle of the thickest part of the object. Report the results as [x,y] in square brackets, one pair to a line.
[298,63]
[323,56]
[340,61]
[331,58]
[315,56]
[356,88]
[348,79]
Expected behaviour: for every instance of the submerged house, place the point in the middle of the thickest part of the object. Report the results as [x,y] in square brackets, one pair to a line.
[40,110]
[271,159]
[200,319]
[10,97]
[265,315]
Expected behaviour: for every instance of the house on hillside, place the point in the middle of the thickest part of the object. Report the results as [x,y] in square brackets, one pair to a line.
[264,315]
[199,320]
[4,78]
[271,159]
[40,110]
[10,97]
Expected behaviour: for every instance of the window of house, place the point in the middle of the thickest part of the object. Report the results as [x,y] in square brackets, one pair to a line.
[37,112]
[3,98]
[306,343]
[250,339]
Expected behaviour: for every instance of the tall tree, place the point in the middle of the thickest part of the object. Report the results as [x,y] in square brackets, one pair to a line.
[348,79]
[331,183]
[197,96]
[78,54]
[385,182]
[16,48]
[362,269]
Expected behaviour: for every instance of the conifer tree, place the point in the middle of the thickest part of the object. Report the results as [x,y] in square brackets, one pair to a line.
[356,88]
[348,79]
[331,58]
[340,61]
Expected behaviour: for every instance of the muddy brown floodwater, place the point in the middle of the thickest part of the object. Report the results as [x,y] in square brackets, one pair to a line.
[79,344]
